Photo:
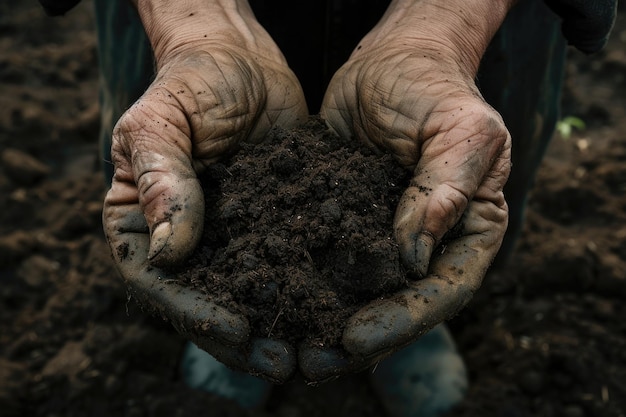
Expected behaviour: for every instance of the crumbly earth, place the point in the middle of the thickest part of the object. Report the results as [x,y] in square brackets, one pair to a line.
[298,233]
[545,337]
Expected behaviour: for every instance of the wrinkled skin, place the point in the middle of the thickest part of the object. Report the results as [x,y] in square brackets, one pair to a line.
[201,105]
[421,107]
[434,122]
[208,96]
[399,92]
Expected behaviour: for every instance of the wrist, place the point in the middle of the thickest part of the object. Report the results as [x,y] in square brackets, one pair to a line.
[173,27]
[453,30]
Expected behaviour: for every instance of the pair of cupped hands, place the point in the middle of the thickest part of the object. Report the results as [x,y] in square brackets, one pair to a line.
[408,89]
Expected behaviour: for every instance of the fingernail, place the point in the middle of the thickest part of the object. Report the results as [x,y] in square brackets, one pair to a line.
[160,236]
[423,250]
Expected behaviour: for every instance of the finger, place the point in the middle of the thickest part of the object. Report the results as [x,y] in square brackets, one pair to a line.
[323,364]
[318,365]
[153,168]
[448,175]
[189,311]
[272,360]
[455,275]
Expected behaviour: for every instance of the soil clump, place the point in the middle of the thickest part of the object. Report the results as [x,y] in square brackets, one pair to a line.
[298,233]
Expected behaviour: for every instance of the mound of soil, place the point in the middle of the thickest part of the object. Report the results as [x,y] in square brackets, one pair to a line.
[298,233]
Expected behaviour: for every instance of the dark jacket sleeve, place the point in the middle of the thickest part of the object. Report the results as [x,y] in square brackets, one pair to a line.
[58,7]
[585,24]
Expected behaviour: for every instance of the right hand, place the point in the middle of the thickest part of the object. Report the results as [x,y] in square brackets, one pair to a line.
[408,90]
[220,80]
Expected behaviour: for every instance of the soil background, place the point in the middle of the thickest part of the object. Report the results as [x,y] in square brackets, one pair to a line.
[546,337]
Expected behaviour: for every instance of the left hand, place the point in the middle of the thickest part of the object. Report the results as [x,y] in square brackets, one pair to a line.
[415,98]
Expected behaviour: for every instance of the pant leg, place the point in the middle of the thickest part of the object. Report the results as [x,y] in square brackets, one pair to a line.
[521,76]
[317,37]
[126,66]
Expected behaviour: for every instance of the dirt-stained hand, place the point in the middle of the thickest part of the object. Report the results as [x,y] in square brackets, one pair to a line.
[414,98]
[220,80]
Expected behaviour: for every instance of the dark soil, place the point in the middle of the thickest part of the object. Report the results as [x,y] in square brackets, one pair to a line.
[297,234]
[544,337]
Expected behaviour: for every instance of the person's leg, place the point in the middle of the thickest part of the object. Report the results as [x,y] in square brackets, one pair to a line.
[521,76]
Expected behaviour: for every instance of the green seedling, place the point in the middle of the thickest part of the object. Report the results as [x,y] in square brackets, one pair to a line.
[566,125]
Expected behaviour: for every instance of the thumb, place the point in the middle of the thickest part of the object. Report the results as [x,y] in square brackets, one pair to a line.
[455,164]
[424,214]
[154,176]
[175,215]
